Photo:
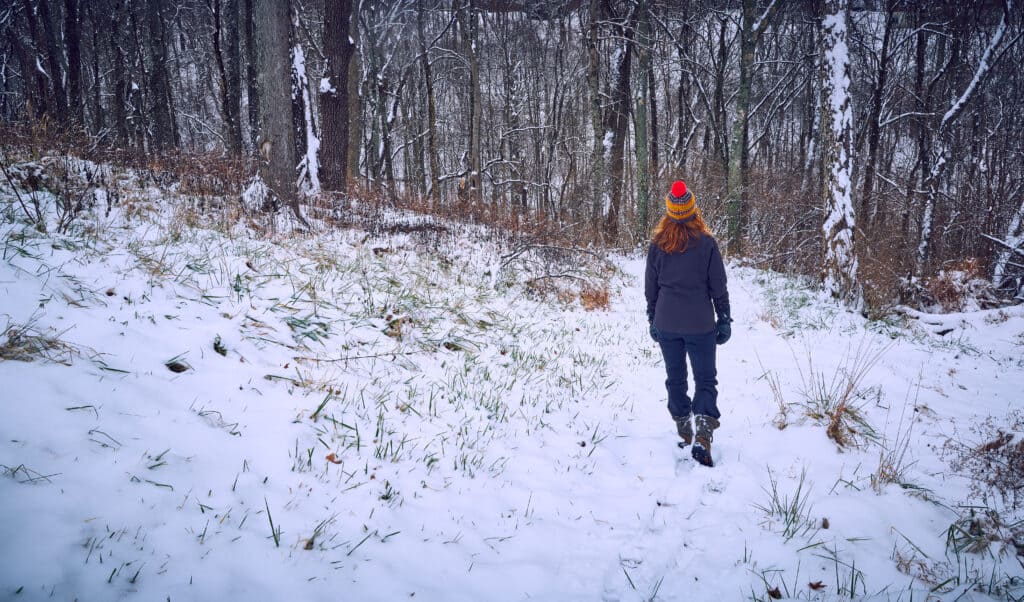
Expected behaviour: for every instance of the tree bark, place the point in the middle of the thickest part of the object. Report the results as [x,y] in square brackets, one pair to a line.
[616,123]
[428,82]
[598,194]
[751,29]
[53,57]
[32,58]
[161,108]
[469,30]
[867,203]
[840,260]
[252,88]
[334,105]
[276,141]
[97,101]
[73,42]
[120,84]
[640,125]
[225,26]
[739,209]
[307,139]
[355,104]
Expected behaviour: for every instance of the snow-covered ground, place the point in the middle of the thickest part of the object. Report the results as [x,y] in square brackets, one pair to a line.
[378,418]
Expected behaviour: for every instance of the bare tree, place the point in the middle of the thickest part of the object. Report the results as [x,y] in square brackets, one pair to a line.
[840,262]
[334,88]
[276,141]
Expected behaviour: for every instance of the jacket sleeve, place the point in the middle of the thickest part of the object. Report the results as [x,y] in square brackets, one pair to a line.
[717,285]
[651,284]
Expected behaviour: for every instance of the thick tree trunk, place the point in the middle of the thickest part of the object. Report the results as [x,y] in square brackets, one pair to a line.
[53,58]
[840,260]
[225,26]
[32,59]
[160,106]
[334,105]
[276,141]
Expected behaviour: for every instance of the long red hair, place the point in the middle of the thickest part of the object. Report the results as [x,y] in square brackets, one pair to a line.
[673,237]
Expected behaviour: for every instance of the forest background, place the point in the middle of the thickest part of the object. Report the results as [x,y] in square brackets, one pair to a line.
[875,144]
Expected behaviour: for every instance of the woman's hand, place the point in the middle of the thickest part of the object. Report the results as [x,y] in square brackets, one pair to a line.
[653,331]
[723,330]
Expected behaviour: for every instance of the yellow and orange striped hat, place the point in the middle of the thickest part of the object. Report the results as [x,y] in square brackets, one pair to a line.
[680,204]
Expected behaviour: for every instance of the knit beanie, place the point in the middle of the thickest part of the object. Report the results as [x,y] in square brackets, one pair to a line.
[679,204]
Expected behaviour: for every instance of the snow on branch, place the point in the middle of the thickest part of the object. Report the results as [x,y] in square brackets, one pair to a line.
[762,21]
[983,68]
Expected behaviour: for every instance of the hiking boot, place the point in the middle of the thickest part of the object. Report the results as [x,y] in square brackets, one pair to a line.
[701,451]
[685,429]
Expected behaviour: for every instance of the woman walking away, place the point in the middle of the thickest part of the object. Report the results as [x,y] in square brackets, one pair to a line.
[686,288]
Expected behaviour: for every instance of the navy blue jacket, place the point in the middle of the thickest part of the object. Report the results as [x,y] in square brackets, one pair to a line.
[680,287]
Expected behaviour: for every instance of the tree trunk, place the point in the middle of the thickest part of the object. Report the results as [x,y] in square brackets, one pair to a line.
[252,88]
[616,124]
[867,202]
[739,210]
[652,95]
[73,39]
[428,82]
[97,102]
[120,72]
[840,261]
[469,30]
[355,105]
[935,177]
[53,57]
[307,140]
[32,59]
[1014,239]
[598,194]
[276,137]
[718,111]
[234,75]
[164,135]
[334,105]
[643,97]
[225,26]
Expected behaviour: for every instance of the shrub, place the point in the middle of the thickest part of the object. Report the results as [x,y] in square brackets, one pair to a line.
[993,459]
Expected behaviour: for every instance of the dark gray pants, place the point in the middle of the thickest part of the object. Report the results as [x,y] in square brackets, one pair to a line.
[700,348]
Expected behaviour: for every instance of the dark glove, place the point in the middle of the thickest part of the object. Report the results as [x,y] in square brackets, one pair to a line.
[653,331]
[723,330]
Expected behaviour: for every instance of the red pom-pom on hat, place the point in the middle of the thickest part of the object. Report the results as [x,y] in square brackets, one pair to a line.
[678,188]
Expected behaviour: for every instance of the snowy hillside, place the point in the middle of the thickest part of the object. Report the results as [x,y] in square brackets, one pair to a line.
[193,413]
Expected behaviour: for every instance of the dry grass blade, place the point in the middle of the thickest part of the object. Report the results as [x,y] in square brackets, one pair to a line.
[25,343]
